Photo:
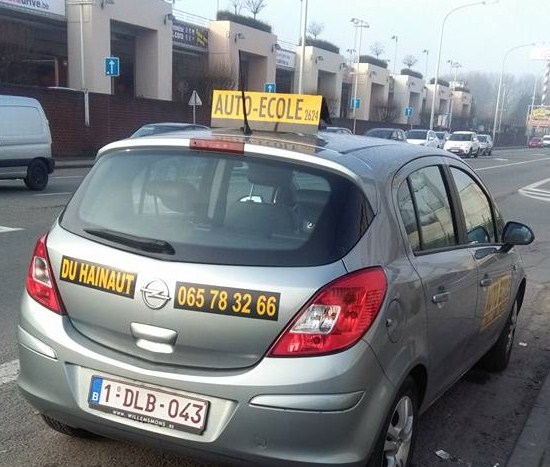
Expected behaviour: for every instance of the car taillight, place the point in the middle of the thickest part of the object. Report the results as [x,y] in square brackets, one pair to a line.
[229,147]
[336,317]
[40,281]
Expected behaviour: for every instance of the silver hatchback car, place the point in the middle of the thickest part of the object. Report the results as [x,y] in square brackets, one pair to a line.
[270,298]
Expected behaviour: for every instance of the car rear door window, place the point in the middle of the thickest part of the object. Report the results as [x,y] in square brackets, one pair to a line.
[433,209]
[219,209]
[480,224]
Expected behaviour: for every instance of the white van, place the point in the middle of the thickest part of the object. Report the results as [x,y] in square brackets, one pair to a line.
[25,142]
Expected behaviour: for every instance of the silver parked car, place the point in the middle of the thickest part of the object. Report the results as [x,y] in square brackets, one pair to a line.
[271,298]
[423,138]
[167,127]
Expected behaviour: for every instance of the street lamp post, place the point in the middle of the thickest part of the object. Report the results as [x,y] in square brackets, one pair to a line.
[454,66]
[358,24]
[427,52]
[500,84]
[303,54]
[483,2]
[396,39]
[82,4]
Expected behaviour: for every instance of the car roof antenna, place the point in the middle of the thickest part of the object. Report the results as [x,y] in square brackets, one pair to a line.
[246,129]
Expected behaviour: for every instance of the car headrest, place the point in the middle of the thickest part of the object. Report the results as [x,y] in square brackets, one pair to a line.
[175,195]
[269,176]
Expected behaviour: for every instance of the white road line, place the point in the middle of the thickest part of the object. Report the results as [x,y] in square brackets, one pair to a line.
[509,165]
[533,191]
[9,229]
[500,159]
[9,372]
[55,194]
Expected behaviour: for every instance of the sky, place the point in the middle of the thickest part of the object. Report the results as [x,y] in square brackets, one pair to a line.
[477,37]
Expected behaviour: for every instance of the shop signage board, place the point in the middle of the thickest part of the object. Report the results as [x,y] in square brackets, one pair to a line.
[286,59]
[49,7]
[189,36]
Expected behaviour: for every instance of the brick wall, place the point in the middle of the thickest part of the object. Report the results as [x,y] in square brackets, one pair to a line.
[111,117]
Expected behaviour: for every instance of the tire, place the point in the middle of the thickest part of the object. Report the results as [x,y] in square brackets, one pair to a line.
[401,424]
[37,176]
[470,152]
[498,356]
[66,429]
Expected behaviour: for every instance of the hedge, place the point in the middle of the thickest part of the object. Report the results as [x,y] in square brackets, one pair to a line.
[321,44]
[409,72]
[441,82]
[244,20]
[373,61]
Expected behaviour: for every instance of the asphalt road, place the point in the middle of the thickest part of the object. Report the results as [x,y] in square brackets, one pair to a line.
[476,423]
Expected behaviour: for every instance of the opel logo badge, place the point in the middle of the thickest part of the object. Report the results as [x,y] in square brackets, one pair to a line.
[155,294]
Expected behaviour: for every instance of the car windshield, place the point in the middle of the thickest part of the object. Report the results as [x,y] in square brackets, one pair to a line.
[417,134]
[460,137]
[380,133]
[482,138]
[215,209]
[440,134]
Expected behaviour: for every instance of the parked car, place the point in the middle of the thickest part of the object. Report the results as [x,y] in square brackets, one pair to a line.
[165,306]
[535,142]
[463,143]
[485,145]
[338,129]
[546,141]
[25,142]
[395,134]
[423,138]
[443,137]
[158,128]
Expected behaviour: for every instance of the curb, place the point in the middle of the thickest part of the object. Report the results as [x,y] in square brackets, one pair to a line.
[531,445]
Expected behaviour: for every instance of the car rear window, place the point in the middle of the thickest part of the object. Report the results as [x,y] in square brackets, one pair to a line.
[217,209]
[417,134]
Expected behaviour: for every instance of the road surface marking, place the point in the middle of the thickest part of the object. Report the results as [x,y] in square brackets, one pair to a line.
[499,159]
[9,372]
[55,194]
[533,191]
[509,165]
[9,229]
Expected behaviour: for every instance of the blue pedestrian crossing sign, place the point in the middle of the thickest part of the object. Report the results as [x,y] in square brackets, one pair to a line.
[112,67]
[270,87]
[409,111]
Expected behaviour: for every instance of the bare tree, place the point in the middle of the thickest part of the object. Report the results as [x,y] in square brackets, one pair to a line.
[237,6]
[314,29]
[409,61]
[255,6]
[377,49]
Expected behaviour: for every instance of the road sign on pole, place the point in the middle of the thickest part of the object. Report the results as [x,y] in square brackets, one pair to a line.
[270,87]
[355,103]
[409,112]
[112,67]
[194,102]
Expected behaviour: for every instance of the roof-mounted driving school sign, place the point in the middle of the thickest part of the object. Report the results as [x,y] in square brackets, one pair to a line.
[267,111]
[46,7]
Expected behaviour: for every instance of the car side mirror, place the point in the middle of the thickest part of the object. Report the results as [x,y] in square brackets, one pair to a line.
[516,233]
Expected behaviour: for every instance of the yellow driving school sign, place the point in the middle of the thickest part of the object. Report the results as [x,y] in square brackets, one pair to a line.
[268,108]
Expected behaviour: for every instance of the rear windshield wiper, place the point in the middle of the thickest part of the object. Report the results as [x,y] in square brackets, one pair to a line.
[145,244]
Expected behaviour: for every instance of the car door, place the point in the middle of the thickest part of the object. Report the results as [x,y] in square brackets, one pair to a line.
[483,227]
[447,270]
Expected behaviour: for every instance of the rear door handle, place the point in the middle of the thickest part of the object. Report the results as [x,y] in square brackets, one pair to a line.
[485,282]
[441,297]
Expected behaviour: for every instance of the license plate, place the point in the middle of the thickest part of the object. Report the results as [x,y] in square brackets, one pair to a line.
[144,404]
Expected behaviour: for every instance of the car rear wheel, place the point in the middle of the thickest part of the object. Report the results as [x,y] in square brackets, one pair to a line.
[37,176]
[395,444]
[498,356]
[66,429]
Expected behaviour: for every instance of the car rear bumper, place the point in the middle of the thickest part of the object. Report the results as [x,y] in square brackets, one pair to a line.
[311,411]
